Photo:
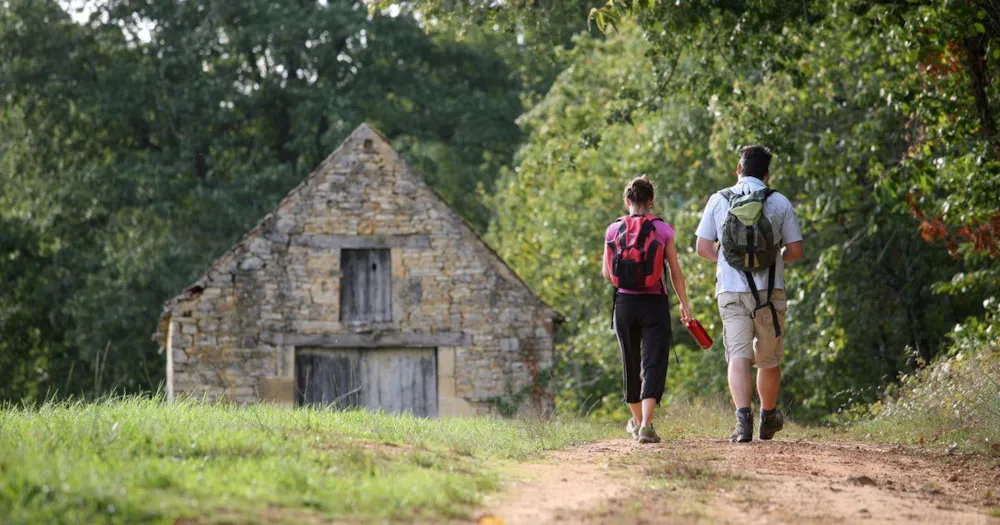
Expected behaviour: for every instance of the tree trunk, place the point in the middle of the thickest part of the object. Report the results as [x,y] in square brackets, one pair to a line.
[975,56]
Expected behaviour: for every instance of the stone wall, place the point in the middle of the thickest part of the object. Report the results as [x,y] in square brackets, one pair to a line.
[233,334]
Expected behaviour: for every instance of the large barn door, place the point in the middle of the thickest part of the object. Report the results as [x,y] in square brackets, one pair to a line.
[395,380]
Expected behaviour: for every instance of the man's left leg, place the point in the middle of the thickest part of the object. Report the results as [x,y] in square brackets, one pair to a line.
[769,349]
[768,385]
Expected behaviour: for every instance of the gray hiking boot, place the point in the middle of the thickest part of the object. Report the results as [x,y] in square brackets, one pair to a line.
[632,429]
[771,424]
[648,435]
[744,428]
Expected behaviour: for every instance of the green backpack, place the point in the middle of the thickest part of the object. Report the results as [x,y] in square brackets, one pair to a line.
[748,243]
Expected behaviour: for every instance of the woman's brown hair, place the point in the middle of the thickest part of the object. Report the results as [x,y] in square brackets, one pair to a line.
[640,191]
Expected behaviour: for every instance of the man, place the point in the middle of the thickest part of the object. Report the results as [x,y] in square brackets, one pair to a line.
[750,284]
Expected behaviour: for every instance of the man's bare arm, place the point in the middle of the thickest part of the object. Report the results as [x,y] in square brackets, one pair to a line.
[706,249]
[792,252]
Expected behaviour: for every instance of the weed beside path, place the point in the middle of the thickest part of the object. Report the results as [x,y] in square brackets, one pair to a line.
[137,459]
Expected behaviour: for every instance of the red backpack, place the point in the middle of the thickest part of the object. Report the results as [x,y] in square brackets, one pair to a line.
[636,255]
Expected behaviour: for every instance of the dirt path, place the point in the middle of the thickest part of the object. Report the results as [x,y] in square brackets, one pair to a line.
[714,481]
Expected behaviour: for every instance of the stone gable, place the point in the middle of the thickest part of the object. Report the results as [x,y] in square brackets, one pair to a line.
[236,332]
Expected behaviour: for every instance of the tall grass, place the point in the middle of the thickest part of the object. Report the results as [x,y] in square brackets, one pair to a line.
[139,459]
[955,399]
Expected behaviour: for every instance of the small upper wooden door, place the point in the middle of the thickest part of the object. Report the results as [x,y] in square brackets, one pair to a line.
[395,380]
[366,286]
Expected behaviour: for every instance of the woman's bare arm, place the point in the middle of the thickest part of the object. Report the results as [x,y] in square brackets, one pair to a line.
[677,279]
[605,271]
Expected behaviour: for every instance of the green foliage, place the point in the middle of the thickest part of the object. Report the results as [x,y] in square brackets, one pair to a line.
[128,164]
[138,459]
[554,205]
[673,93]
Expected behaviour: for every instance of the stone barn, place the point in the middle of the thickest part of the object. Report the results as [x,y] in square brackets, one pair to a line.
[362,289]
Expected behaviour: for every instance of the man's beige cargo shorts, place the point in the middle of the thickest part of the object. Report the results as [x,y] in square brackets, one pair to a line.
[748,337]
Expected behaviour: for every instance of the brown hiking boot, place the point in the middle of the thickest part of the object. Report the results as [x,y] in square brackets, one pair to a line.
[770,424]
[744,428]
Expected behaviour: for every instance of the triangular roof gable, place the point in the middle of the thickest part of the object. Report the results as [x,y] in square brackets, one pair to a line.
[364,132]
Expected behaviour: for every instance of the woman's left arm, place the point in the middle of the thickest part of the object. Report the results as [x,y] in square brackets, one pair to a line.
[605,270]
[677,279]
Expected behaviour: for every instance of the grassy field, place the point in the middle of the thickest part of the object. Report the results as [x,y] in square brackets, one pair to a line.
[139,459]
[136,459]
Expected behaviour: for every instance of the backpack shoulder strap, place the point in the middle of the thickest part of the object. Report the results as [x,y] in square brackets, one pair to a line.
[728,194]
[619,241]
[645,231]
[770,290]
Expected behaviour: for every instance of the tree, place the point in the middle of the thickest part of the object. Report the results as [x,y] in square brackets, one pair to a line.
[675,92]
[130,163]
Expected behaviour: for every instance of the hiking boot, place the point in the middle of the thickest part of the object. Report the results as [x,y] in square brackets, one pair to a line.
[648,435]
[770,424]
[632,429]
[744,428]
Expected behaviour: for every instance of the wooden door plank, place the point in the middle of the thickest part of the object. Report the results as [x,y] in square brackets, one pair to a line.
[325,378]
[366,287]
[381,285]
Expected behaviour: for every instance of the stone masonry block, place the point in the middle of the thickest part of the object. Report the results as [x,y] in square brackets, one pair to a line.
[510,344]
[455,407]
[396,259]
[323,264]
[278,390]
[325,291]
[446,361]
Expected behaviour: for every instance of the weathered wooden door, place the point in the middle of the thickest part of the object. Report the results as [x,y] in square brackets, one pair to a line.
[366,286]
[395,380]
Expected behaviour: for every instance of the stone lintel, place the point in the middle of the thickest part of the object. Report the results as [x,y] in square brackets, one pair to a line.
[384,340]
[352,242]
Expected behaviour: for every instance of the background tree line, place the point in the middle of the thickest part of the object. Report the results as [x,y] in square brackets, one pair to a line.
[136,147]
[881,115]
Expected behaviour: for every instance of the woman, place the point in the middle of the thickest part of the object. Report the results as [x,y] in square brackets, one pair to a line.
[642,308]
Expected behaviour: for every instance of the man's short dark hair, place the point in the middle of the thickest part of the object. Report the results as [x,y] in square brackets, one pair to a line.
[756,160]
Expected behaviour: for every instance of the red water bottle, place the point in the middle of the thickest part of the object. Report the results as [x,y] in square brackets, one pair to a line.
[699,334]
